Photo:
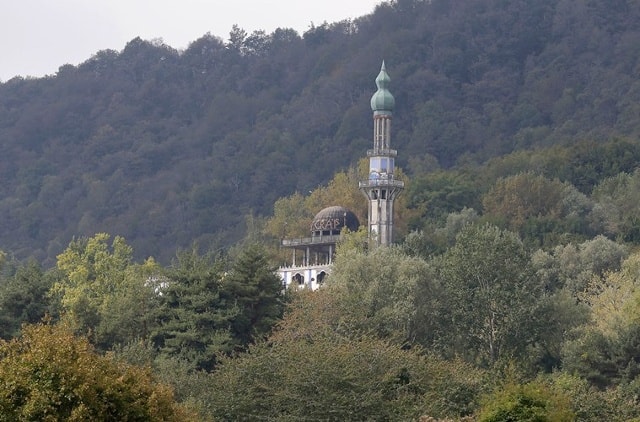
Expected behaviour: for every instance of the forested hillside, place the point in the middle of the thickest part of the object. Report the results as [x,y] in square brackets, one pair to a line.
[168,147]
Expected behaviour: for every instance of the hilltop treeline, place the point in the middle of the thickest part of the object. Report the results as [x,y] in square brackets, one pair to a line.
[166,147]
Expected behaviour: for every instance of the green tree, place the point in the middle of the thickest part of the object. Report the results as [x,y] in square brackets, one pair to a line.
[605,350]
[591,404]
[534,206]
[572,266]
[103,292]
[492,296]
[127,314]
[377,291]
[439,193]
[48,374]
[308,369]
[24,298]
[92,271]
[237,37]
[292,215]
[455,222]
[531,402]
[193,319]
[435,237]
[612,296]
[616,208]
[290,218]
[255,292]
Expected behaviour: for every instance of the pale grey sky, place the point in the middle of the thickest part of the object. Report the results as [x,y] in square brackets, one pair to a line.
[39,36]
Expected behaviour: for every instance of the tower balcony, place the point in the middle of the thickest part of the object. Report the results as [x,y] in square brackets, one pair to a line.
[382,152]
[311,241]
[385,183]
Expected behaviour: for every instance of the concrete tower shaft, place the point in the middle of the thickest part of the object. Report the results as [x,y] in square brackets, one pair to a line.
[381,188]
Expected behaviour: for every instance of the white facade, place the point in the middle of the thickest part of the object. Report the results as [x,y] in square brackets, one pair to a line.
[304,276]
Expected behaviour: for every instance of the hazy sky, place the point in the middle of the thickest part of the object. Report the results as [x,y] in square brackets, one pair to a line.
[38,36]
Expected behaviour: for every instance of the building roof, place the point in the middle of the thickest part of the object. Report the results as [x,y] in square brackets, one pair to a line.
[333,220]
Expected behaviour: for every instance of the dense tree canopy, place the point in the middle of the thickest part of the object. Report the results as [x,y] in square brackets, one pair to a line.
[146,141]
[311,368]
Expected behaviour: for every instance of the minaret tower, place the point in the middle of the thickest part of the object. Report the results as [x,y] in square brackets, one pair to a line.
[381,188]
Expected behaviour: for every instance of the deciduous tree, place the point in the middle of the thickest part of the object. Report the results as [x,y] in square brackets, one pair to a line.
[103,292]
[48,374]
[492,296]
[605,350]
[309,369]
[534,401]
[377,291]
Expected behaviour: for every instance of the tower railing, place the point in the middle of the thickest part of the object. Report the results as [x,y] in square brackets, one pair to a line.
[385,152]
[371,183]
[322,239]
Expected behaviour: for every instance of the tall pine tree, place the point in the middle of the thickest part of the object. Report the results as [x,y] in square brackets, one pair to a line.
[256,292]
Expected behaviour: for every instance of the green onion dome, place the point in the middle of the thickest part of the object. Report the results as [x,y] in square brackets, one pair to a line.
[382,102]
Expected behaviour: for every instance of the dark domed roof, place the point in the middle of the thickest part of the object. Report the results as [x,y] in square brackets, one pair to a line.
[331,220]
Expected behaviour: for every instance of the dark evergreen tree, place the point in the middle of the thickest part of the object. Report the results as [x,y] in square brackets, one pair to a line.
[256,293]
[24,298]
[193,322]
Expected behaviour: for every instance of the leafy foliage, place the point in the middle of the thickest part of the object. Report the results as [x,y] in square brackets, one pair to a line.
[616,211]
[293,214]
[605,351]
[440,193]
[527,199]
[592,404]
[517,123]
[253,288]
[192,323]
[573,266]
[490,293]
[102,291]
[24,298]
[375,291]
[346,379]
[534,401]
[206,311]
[48,374]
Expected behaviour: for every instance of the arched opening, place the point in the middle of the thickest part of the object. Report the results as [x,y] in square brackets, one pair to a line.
[298,278]
[321,277]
